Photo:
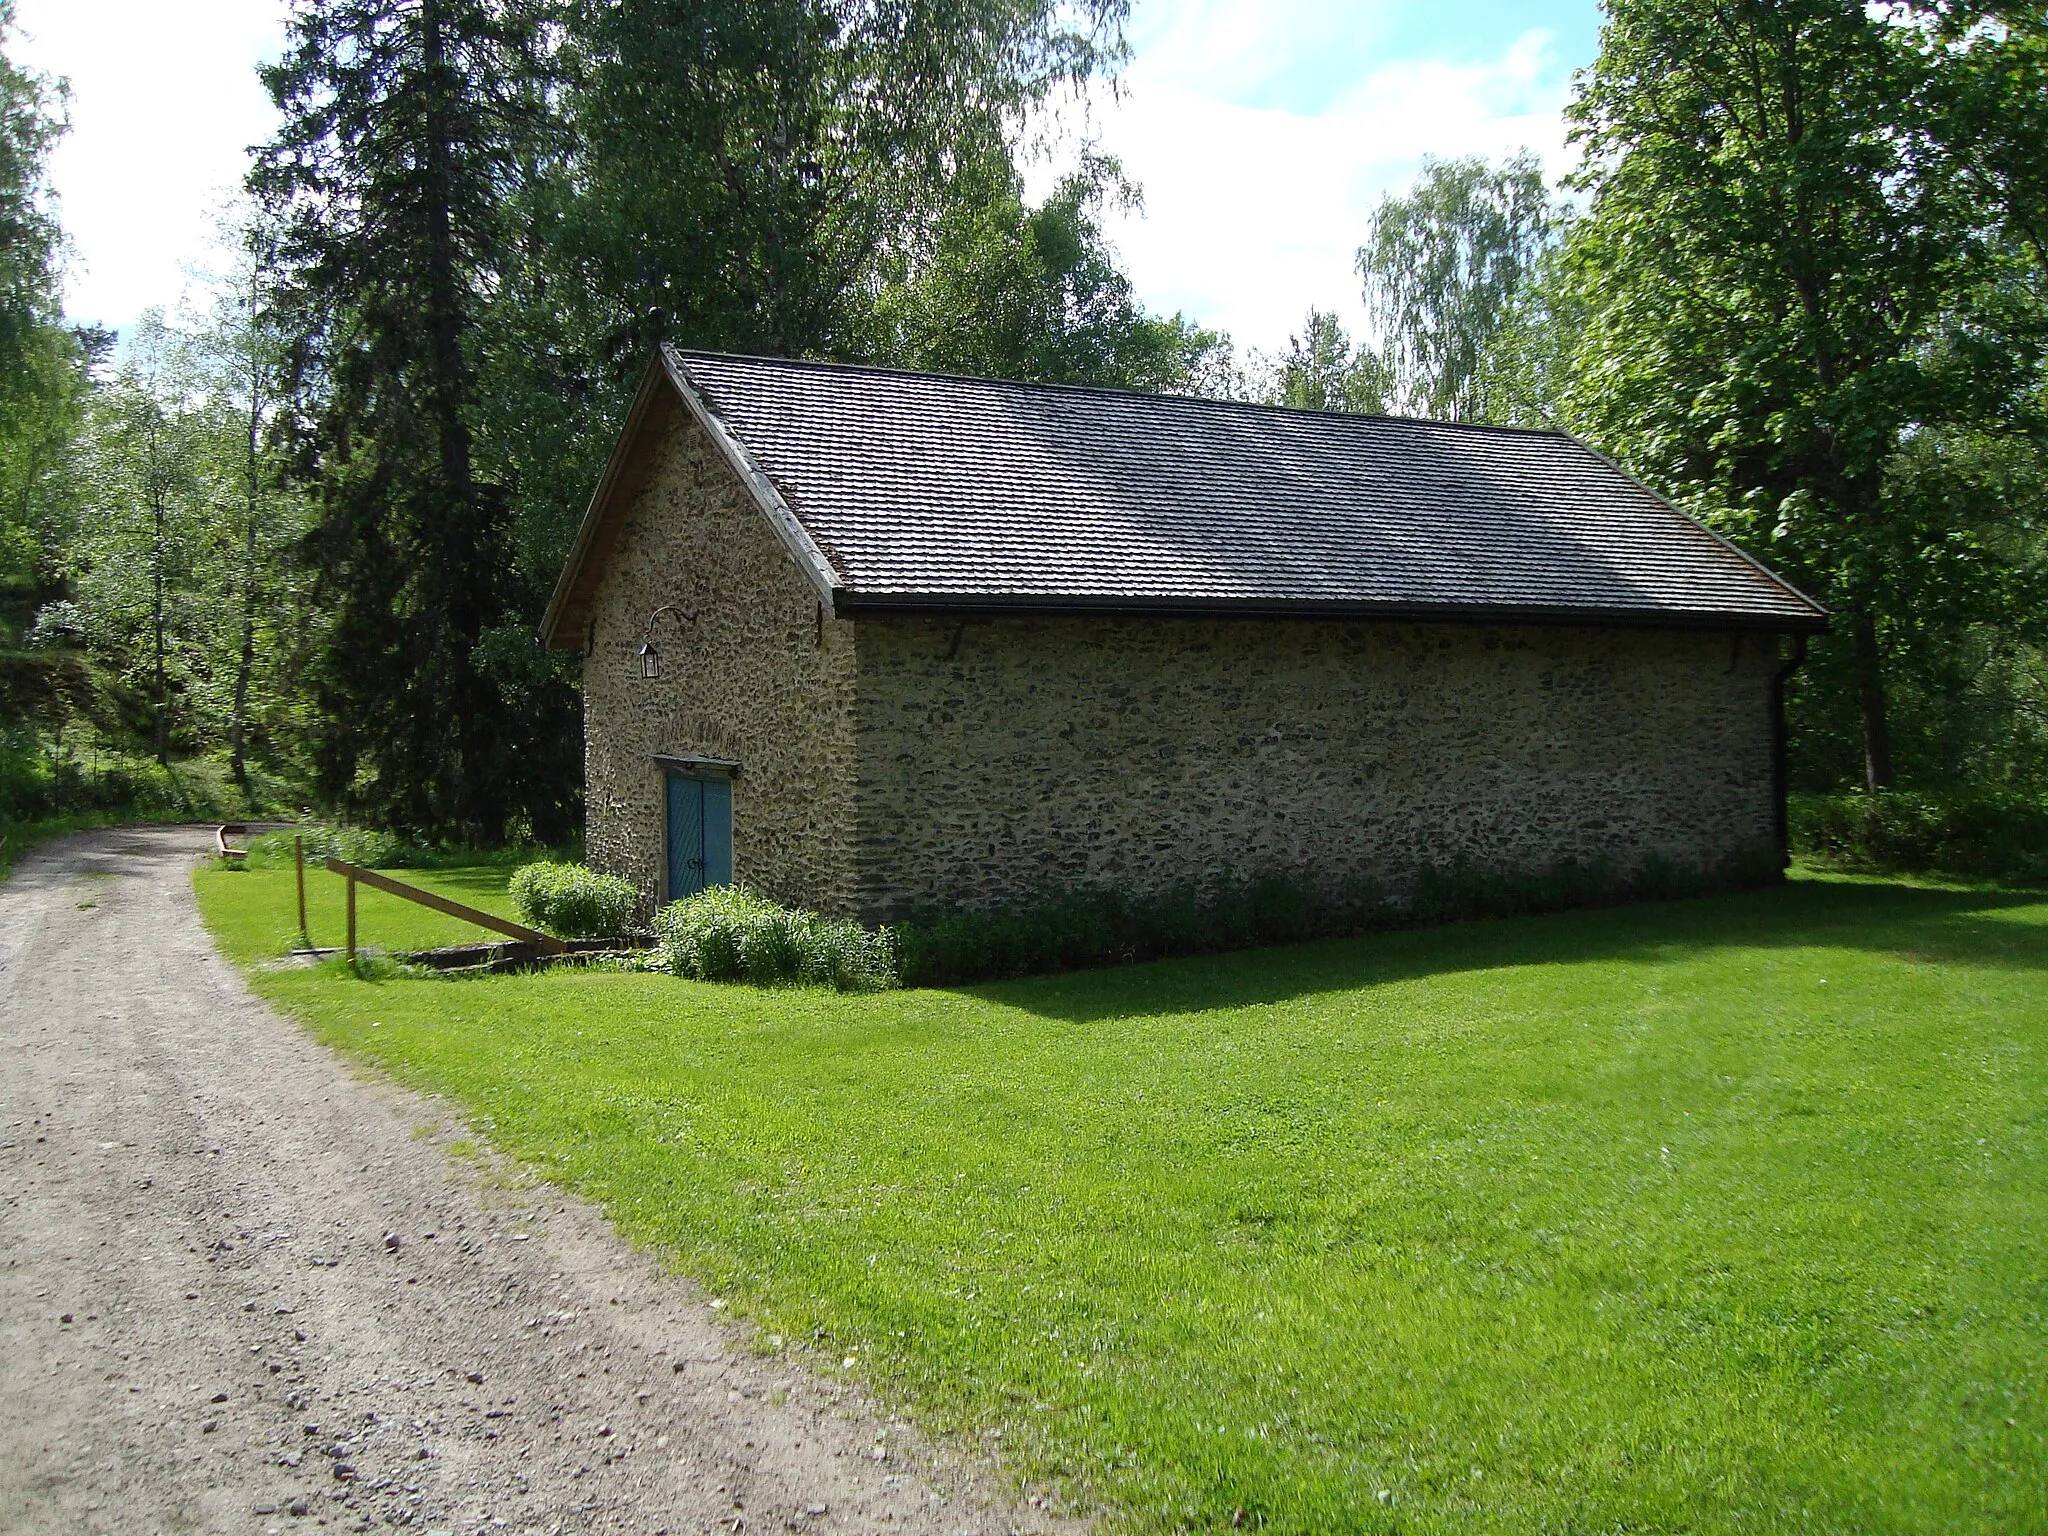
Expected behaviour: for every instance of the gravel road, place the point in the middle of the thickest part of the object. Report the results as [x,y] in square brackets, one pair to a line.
[243,1289]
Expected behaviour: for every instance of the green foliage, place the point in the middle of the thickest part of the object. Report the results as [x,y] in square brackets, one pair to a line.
[1784,285]
[408,131]
[1988,83]
[370,847]
[377,848]
[176,593]
[1005,290]
[1713,1217]
[728,933]
[573,902]
[1983,836]
[1445,268]
[31,122]
[41,372]
[1453,290]
[742,172]
[42,780]
[1078,929]
[1319,371]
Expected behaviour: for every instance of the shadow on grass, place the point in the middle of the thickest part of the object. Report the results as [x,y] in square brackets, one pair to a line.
[472,880]
[1954,927]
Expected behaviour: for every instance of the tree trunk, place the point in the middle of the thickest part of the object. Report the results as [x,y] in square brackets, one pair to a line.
[1877,732]
[463,563]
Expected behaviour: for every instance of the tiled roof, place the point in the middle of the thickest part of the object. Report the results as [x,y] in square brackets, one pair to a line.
[924,490]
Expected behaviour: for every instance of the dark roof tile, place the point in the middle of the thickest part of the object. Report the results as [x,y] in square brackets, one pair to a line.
[930,490]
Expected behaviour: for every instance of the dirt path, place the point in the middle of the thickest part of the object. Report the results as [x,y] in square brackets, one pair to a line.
[242,1289]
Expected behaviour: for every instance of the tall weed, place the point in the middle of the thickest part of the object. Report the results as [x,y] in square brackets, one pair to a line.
[573,902]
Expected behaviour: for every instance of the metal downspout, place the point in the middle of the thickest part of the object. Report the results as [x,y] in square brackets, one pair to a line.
[1781,751]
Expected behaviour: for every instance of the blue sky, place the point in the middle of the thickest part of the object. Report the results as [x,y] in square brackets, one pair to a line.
[1263,132]
[1307,58]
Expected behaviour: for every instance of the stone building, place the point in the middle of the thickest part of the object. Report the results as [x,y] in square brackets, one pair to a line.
[874,642]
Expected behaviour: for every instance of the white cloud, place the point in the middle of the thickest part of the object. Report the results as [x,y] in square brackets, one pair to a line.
[1262,131]
[1253,213]
[164,104]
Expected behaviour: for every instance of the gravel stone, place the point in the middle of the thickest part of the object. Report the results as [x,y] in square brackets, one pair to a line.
[235,1158]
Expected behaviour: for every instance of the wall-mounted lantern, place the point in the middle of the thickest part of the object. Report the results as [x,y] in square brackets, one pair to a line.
[649,653]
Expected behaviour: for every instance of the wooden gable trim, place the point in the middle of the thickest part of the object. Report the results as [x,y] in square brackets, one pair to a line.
[789,528]
[566,624]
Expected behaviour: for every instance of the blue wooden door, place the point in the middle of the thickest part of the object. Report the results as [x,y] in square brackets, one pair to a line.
[699,834]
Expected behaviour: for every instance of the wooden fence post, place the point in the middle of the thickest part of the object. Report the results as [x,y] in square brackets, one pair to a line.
[299,862]
[351,918]
[376,882]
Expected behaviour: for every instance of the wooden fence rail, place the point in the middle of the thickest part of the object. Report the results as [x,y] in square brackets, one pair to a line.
[355,872]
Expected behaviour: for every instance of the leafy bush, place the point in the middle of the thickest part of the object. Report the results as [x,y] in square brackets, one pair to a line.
[374,848]
[328,840]
[732,934]
[43,779]
[729,933]
[573,902]
[1989,836]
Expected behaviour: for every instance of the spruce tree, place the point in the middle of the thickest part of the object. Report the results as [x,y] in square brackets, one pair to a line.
[409,127]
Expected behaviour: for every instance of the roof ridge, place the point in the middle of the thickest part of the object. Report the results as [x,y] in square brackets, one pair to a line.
[1117,390]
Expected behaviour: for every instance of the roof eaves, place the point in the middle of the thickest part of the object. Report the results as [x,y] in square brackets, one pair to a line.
[787,525]
[852,604]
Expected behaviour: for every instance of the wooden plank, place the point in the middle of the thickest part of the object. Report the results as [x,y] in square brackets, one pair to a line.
[385,883]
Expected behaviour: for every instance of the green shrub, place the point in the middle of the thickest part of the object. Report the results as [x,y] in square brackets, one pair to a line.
[374,848]
[573,902]
[1988,836]
[729,933]
[1088,928]
[732,934]
[367,846]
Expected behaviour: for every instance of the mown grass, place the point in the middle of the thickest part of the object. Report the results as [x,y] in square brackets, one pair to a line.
[1712,1216]
[254,912]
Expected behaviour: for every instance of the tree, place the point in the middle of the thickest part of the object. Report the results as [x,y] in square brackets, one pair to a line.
[31,122]
[1007,290]
[41,373]
[243,353]
[411,128]
[1987,80]
[1444,270]
[1320,372]
[742,167]
[1781,285]
[140,544]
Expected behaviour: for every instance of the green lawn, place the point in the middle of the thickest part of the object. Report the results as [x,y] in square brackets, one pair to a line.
[1722,1216]
[254,912]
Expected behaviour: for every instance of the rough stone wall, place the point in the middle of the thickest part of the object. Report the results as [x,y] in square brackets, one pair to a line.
[1145,754]
[756,678]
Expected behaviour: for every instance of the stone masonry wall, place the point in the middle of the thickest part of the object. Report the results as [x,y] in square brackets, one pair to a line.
[1008,756]
[757,679]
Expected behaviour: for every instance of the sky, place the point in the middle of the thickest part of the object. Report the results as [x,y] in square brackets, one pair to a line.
[1261,132]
